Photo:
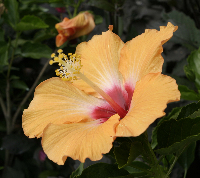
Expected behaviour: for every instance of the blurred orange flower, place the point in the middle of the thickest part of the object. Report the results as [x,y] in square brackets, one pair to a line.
[121,93]
[68,29]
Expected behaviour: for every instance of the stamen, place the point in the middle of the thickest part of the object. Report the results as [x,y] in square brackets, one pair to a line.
[70,70]
[69,66]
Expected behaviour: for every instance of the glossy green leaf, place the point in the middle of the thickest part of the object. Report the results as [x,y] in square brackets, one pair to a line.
[48,173]
[194,66]
[138,169]
[192,110]
[172,115]
[102,170]
[19,84]
[189,111]
[189,73]
[78,171]
[175,135]
[188,94]
[12,14]
[187,33]
[140,166]
[43,35]
[31,22]
[187,157]
[36,50]
[134,176]
[141,144]
[126,153]
[103,4]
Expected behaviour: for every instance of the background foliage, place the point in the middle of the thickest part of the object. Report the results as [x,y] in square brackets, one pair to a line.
[27,39]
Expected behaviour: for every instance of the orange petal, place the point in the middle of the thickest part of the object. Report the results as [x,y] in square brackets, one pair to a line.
[85,28]
[150,98]
[142,55]
[100,59]
[57,101]
[79,140]
[60,40]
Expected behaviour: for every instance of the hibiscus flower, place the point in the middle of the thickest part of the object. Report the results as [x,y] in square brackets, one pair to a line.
[78,26]
[120,92]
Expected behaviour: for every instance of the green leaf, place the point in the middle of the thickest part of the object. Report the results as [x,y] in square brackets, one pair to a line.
[125,154]
[140,166]
[188,94]
[103,4]
[3,54]
[98,19]
[172,115]
[187,33]
[194,66]
[141,144]
[40,1]
[48,173]
[192,110]
[69,2]
[17,144]
[102,170]
[31,22]
[78,171]
[175,135]
[43,35]
[189,111]
[36,50]
[189,73]
[1,35]
[12,14]
[187,157]
[19,84]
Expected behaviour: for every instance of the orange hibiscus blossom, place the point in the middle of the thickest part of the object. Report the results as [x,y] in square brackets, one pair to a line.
[69,29]
[121,92]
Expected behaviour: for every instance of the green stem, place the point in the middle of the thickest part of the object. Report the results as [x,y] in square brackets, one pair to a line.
[76,6]
[148,155]
[29,93]
[13,54]
[3,106]
[160,159]
[68,11]
[171,167]
[8,114]
[8,101]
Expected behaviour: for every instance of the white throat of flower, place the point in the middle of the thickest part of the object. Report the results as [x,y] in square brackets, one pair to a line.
[70,70]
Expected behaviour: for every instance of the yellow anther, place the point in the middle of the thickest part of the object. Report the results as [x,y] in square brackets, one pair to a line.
[56,59]
[60,51]
[69,68]
[53,55]
[51,62]
[61,56]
